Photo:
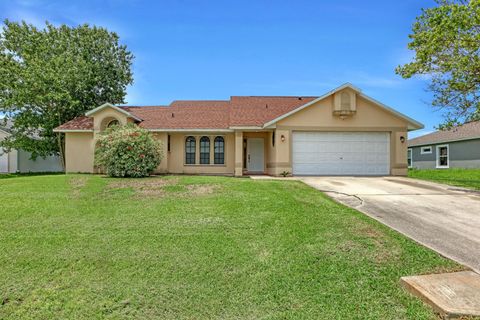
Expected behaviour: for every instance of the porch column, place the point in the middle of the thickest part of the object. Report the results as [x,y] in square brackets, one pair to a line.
[238,153]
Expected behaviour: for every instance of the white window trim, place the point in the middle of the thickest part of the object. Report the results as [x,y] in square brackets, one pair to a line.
[437,156]
[426,152]
[410,150]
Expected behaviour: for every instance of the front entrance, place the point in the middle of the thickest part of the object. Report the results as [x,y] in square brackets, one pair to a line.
[255,157]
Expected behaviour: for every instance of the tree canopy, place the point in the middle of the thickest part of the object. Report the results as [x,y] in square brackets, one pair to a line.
[446,41]
[51,75]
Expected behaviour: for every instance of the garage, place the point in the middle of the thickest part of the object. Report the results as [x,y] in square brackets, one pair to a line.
[341,153]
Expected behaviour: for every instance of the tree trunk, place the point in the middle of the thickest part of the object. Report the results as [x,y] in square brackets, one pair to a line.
[61,149]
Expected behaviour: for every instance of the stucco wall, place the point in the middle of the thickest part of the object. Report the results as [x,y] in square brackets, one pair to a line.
[80,146]
[176,156]
[104,116]
[320,117]
[462,154]
[79,152]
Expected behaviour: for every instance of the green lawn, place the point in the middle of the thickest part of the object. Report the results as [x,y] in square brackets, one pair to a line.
[468,178]
[88,247]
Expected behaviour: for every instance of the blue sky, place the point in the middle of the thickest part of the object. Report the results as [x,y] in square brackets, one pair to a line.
[215,49]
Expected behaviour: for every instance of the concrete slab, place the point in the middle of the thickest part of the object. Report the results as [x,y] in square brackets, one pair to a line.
[453,295]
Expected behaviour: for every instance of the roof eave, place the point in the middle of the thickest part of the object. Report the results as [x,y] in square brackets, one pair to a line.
[72,130]
[442,141]
[109,105]
[189,130]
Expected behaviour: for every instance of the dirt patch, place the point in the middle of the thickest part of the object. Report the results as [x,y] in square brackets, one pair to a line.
[157,187]
[201,189]
[76,185]
[384,251]
[143,188]
[140,184]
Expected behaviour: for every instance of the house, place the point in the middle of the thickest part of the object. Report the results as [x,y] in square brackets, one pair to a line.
[343,132]
[20,160]
[458,147]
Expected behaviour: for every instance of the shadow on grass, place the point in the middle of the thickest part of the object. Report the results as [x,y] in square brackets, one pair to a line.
[28,174]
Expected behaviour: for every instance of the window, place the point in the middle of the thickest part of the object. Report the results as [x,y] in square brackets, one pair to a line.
[190,146]
[112,123]
[205,150]
[273,139]
[409,158]
[219,151]
[168,143]
[442,156]
[426,150]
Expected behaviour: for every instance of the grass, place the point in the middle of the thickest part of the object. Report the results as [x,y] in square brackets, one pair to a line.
[468,178]
[89,247]
[27,174]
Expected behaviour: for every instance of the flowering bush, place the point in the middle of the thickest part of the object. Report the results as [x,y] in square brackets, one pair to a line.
[128,151]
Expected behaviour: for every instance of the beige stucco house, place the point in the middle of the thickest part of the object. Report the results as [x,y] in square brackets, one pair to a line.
[343,132]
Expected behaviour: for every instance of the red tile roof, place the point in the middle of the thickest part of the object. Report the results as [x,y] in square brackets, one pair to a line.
[469,130]
[239,111]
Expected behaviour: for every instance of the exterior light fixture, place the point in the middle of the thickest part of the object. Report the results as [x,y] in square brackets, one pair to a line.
[402,139]
[282,138]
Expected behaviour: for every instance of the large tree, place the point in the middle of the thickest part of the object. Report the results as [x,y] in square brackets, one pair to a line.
[51,75]
[446,41]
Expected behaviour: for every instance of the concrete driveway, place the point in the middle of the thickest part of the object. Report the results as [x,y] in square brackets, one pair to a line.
[443,218]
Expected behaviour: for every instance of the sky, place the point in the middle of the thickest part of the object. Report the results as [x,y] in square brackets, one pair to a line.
[217,49]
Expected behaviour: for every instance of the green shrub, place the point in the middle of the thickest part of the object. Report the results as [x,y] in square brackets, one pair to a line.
[128,151]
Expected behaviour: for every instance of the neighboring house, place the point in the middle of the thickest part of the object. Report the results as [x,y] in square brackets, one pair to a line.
[20,160]
[458,147]
[343,132]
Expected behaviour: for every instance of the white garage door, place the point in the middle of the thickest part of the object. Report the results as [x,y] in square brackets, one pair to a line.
[341,153]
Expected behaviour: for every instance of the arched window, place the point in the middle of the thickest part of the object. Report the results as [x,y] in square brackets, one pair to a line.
[113,123]
[190,144]
[204,150]
[219,151]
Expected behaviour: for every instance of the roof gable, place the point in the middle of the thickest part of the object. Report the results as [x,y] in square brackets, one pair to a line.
[412,124]
[108,105]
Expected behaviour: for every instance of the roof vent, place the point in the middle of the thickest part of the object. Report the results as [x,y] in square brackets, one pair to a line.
[266,106]
[299,98]
[173,115]
[344,104]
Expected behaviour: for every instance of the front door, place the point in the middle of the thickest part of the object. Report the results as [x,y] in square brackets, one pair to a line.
[255,160]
